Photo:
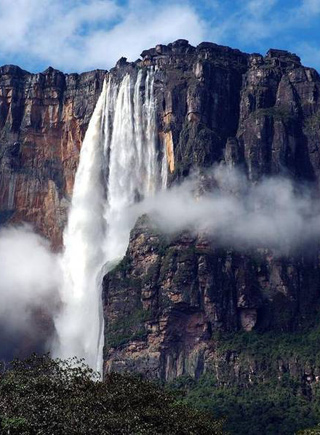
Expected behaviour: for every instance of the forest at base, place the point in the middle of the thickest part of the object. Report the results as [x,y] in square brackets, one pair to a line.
[40,395]
[272,408]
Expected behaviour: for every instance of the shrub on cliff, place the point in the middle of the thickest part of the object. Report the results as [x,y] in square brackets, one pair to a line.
[45,396]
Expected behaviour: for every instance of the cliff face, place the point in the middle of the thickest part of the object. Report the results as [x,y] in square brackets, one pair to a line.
[170,302]
[169,299]
[43,119]
[213,102]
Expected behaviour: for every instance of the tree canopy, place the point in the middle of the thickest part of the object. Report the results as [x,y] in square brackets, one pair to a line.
[45,396]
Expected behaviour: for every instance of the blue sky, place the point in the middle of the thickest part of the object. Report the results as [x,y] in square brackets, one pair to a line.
[79,35]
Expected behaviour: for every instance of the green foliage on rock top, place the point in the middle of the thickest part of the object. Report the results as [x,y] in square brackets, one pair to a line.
[270,393]
[44,396]
[303,345]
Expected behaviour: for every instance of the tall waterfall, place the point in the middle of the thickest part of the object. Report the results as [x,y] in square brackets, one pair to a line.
[118,166]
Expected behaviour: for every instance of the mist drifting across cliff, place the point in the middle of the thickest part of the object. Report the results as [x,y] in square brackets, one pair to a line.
[30,278]
[273,213]
[237,213]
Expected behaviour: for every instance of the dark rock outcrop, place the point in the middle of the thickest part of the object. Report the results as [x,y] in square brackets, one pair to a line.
[211,96]
[167,300]
[169,297]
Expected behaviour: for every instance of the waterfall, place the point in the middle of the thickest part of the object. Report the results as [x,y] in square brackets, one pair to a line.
[118,166]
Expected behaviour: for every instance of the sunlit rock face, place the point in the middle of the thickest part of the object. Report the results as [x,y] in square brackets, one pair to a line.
[43,119]
[213,96]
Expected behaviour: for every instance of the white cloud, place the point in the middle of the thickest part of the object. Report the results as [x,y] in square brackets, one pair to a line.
[80,35]
[259,8]
[30,276]
[140,30]
[260,22]
[86,34]
[310,7]
[269,214]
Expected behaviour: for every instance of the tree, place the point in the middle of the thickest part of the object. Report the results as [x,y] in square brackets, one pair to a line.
[45,396]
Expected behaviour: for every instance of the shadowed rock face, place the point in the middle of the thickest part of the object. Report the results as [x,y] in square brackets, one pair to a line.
[166,301]
[169,297]
[260,111]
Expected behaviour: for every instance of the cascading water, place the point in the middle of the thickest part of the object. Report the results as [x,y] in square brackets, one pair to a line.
[118,166]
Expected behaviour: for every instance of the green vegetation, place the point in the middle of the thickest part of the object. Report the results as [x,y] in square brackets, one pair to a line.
[304,345]
[273,401]
[41,396]
[168,262]
[122,267]
[128,328]
[151,275]
[272,407]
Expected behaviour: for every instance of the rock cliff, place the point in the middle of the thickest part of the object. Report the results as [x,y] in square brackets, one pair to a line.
[43,119]
[170,304]
[213,103]
[167,302]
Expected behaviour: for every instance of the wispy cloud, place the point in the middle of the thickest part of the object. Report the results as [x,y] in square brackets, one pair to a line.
[85,34]
[30,276]
[257,25]
[255,20]
[310,7]
[144,25]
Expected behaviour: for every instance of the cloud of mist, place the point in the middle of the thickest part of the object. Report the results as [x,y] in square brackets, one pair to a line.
[273,213]
[29,278]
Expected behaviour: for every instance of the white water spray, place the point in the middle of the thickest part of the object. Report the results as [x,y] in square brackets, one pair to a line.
[118,166]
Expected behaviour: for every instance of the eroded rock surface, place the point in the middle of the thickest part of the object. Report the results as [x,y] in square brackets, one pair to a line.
[213,103]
